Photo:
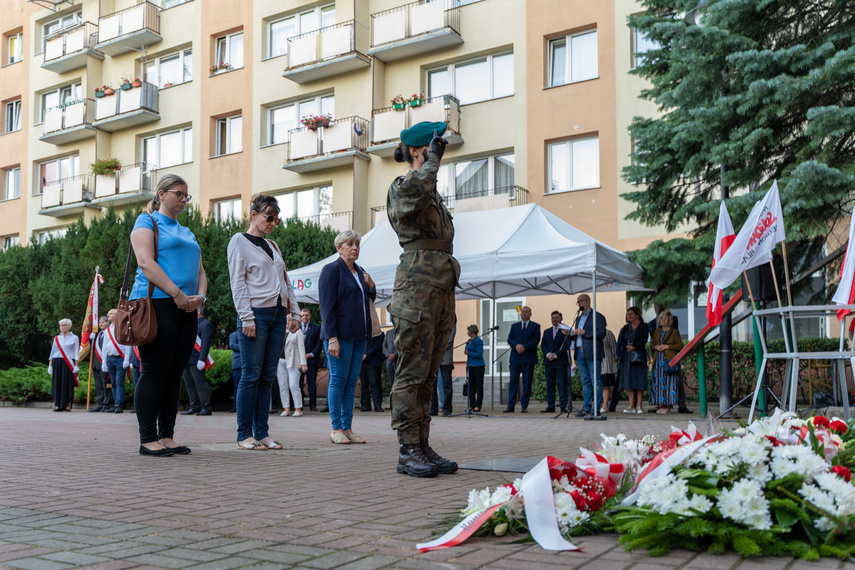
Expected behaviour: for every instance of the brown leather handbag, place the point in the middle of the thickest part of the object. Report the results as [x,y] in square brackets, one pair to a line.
[136,321]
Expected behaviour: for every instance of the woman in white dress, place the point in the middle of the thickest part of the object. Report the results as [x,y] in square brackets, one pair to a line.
[292,362]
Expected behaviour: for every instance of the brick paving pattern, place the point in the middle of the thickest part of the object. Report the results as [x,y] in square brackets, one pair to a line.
[75,493]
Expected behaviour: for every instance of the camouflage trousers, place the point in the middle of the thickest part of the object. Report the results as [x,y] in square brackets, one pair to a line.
[423,316]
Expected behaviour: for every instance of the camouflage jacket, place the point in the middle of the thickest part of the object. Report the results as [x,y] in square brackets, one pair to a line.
[416,211]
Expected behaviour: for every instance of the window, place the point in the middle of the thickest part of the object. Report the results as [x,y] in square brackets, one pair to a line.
[226,210]
[229,135]
[577,65]
[14,48]
[170,69]
[306,205]
[640,45]
[60,24]
[473,81]
[574,164]
[12,183]
[61,96]
[168,149]
[476,177]
[44,236]
[13,116]
[229,51]
[280,30]
[58,169]
[11,241]
[282,119]
[173,3]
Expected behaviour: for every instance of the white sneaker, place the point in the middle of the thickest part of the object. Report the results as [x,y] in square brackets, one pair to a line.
[639,411]
[297,414]
[284,414]
[629,411]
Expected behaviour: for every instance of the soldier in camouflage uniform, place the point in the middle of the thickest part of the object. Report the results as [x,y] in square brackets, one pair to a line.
[423,298]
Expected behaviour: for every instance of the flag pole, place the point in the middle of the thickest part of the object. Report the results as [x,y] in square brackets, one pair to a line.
[91,348]
[775,280]
[786,273]
[750,294]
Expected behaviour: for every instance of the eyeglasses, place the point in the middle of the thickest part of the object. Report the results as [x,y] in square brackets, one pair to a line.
[270,218]
[181,195]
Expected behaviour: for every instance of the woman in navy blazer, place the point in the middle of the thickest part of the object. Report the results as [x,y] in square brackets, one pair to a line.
[344,290]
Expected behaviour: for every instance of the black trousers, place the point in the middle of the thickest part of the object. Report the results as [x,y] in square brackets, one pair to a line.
[445,371]
[369,378]
[309,379]
[476,386]
[163,360]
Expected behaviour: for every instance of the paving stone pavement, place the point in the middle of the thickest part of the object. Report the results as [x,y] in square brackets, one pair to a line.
[75,493]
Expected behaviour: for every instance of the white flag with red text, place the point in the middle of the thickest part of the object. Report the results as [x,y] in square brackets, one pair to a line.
[755,242]
[845,293]
[724,237]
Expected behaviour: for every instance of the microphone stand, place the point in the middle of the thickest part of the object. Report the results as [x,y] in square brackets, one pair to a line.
[469,413]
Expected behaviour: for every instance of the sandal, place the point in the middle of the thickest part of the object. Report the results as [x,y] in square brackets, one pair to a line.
[663,411]
[339,438]
[252,446]
[354,438]
[275,445]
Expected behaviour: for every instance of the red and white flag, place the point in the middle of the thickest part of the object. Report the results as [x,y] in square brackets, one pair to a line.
[90,321]
[845,294]
[755,242]
[209,361]
[724,237]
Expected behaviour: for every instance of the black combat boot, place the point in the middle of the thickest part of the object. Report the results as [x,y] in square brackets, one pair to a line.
[443,465]
[412,461]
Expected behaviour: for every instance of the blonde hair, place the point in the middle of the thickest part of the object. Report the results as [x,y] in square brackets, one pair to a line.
[165,184]
[668,316]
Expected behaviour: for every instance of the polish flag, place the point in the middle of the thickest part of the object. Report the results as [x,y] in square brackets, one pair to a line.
[209,361]
[845,294]
[724,236]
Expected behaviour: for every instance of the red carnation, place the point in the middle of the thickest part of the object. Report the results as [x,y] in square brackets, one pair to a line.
[839,427]
[578,499]
[595,501]
[820,421]
[842,471]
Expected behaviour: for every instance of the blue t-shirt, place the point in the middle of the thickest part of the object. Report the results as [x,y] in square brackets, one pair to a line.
[178,255]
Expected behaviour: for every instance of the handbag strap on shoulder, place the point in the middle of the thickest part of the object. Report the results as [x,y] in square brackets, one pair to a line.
[123,294]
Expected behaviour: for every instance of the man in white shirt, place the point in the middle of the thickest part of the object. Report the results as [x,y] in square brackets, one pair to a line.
[116,359]
[103,395]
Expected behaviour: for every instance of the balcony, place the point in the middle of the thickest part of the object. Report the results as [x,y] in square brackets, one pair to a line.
[486,199]
[68,48]
[327,147]
[338,221]
[129,29]
[387,123]
[127,108]
[326,52]
[69,123]
[414,29]
[67,197]
[131,184]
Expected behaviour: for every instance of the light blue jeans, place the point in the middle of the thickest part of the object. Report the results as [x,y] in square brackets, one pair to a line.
[344,371]
[586,373]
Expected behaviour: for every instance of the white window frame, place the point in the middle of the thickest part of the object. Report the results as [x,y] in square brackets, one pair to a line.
[74,92]
[452,88]
[62,23]
[12,114]
[569,143]
[326,104]
[10,241]
[11,183]
[226,41]
[186,148]
[74,167]
[568,41]
[318,209]
[637,38]
[14,52]
[43,236]
[167,4]
[447,174]
[321,13]
[152,73]
[229,209]
[231,131]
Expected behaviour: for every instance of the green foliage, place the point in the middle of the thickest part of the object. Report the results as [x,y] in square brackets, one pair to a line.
[746,97]
[20,385]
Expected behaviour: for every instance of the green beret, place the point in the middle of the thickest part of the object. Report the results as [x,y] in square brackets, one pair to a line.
[421,134]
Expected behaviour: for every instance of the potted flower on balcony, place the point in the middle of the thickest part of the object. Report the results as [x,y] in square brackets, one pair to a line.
[103,91]
[398,102]
[416,99]
[105,166]
[314,122]
[136,82]
[222,66]
[126,83]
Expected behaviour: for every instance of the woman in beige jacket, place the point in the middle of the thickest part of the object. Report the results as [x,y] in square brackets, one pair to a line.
[291,363]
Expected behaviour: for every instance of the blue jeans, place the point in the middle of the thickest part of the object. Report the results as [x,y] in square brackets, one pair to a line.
[259,358]
[117,377]
[586,373]
[344,372]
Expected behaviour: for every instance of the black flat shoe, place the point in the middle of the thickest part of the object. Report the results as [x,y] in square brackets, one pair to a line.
[165,452]
[180,449]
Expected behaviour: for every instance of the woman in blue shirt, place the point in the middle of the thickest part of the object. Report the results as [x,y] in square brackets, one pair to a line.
[475,365]
[179,289]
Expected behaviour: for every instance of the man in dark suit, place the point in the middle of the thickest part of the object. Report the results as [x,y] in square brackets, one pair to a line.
[681,390]
[369,375]
[582,337]
[523,340]
[194,373]
[554,347]
[314,357]
[103,395]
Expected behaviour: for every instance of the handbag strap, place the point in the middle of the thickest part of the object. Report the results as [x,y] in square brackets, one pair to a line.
[123,294]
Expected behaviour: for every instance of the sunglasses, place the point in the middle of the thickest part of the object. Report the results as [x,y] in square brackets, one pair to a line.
[271,218]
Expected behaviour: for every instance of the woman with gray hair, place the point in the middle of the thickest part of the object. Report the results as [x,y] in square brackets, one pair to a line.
[62,366]
[180,285]
[344,290]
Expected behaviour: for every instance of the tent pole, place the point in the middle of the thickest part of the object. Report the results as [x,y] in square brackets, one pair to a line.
[596,414]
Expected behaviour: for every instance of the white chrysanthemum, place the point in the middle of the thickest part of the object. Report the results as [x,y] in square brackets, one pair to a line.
[500,495]
[515,508]
[759,472]
[566,512]
[746,504]
[666,495]
[478,500]
[800,459]
[700,503]
[831,494]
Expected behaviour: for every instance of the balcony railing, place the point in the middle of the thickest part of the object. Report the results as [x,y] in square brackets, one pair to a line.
[487,198]
[66,192]
[127,108]
[132,183]
[326,52]
[69,123]
[387,123]
[415,28]
[129,29]
[344,138]
[338,221]
[378,214]
[68,48]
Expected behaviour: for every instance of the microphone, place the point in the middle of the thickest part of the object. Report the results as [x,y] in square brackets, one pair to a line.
[495,328]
